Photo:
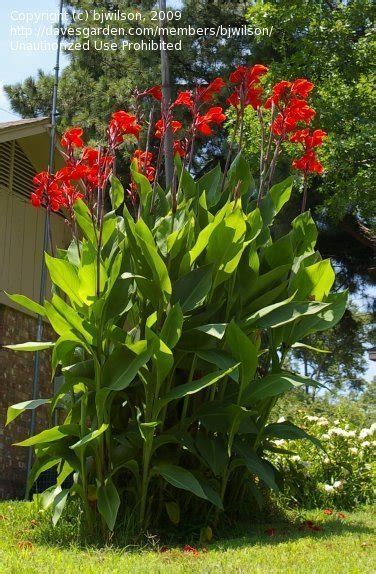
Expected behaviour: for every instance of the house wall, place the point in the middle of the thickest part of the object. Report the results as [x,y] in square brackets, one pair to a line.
[16,386]
[21,252]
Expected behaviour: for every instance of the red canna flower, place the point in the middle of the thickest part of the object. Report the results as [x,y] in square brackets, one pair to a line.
[248,91]
[154,91]
[309,139]
[72,138]
[301,87]
[328,511]
[180,147]
[143,160]
[308,163]
[203,124]
[341,516]
[206,93]
[184,99]
[122,123]
[160,127]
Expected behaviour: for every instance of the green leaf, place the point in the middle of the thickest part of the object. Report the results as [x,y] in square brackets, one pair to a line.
[51,435]
[244,351]
[172,327]
[309,348]
[314,281]
[64,275]
[16,410]
[210,183]
[255,464]
[27,303]
[116,193]
[273,385]
[124,363]
[220,359]
[108,503]
[289,431]
[282,313]
[191,289]
[216,330]
[181,478]
[89,437]
[213,451]
[173,511]
[195,386]
[58,505]
[30,347]
[84,221]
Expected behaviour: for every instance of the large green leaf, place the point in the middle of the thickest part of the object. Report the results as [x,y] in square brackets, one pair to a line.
[64,275]
[244,351]
[195,386]
[213,451]
[15,410]
[27,303]
[255,464]
[51,435]
[108,503]
[273,385]
[124,363]
[116,193]
[191,289]
[88,438]
[289,431]
[30,347]
[172,327]
[181,478]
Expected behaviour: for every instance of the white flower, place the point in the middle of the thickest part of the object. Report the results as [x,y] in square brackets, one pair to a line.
[323,422]
[351,434]
[365,432]
[306,463]
[353,450]
[328,488]
[366,443]
[338,484]
[336,422]
[279,442]
[281,420]
[373,428]
[296,458]
[325,436]
[312,419]
[338,432]
[326,460]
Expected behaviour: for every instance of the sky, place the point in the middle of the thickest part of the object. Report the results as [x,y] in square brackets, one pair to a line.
[16,65]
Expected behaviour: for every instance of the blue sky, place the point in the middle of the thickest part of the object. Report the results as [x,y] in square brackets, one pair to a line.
[16,65]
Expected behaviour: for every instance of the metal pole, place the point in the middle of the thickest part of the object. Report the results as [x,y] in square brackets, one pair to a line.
[46,236]
[166,92]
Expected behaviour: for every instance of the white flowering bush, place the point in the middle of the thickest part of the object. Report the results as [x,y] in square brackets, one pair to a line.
[340,475]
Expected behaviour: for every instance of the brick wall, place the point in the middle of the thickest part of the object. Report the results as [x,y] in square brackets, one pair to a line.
[16,380]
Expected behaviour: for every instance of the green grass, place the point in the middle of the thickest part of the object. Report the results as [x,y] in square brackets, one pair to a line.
[29,544]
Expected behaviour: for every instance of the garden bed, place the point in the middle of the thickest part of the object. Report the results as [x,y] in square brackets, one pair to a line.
[307,542]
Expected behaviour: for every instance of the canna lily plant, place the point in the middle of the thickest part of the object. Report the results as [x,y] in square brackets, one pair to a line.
[175,312]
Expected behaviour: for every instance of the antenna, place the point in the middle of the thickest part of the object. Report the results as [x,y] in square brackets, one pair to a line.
[46,236]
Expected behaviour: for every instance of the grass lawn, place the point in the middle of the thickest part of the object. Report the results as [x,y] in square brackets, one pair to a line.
[326,544]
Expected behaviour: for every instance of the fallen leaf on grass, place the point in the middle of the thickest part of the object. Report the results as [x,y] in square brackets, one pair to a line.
[25,545]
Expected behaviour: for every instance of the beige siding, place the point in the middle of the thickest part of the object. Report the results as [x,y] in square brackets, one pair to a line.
[21,244]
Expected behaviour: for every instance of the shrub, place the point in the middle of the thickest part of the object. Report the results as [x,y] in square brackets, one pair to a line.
[341,475]
[174,323]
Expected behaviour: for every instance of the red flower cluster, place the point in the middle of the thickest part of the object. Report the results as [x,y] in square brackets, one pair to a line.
[289,98]
[248,91]
[143,160]
[309,141]
[122,124]
[160,127]
[310,525]
[72,138]
[195,99]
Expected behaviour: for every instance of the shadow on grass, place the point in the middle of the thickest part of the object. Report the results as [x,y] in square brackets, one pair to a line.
[70,532]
